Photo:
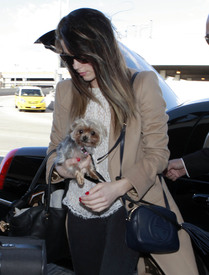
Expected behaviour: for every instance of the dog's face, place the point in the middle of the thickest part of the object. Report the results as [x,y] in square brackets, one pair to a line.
[87,133]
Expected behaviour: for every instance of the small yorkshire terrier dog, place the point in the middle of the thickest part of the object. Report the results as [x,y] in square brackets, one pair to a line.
[84,136]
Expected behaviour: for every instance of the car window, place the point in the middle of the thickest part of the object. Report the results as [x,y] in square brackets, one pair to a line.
[31,92]
[135,61]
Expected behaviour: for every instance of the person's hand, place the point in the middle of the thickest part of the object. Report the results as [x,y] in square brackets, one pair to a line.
[175,169]
[63,170]
[101,196]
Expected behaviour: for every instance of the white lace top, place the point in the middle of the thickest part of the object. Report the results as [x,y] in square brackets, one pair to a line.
[101,113]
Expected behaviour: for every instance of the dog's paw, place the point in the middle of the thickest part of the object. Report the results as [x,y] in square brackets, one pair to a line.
[79,177]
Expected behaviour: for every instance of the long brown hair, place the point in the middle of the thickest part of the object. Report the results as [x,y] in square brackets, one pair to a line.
[89,33]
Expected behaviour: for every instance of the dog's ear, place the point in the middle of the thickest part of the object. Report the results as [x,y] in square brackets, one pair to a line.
[75,124]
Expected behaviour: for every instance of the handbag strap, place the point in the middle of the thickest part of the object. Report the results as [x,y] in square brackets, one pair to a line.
[119,140]
[19,203]
[39,171]
[164,195]
[48,193]
[122,143]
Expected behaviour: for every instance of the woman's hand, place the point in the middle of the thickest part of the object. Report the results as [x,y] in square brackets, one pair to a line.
[102,196]
[63,170]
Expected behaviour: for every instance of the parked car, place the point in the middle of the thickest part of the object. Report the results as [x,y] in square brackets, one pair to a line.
[30,98]
[188,129]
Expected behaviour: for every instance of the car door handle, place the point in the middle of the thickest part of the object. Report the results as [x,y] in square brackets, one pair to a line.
[201,199]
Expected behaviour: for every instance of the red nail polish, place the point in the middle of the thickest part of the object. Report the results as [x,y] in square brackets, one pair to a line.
[81,201]
[78,159]
[87,193]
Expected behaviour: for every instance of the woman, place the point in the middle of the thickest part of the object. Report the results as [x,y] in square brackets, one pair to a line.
[100,89]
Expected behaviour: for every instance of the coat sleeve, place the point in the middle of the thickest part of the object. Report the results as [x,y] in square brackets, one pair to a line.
[60,124]
[197,163]
[152,152]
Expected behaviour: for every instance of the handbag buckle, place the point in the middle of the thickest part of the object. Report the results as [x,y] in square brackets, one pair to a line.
[4,226]
[128,218]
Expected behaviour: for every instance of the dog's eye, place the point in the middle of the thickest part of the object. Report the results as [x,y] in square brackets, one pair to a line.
[93,133]
[80,131]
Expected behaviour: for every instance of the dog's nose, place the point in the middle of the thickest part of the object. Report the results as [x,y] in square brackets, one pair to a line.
[85,138]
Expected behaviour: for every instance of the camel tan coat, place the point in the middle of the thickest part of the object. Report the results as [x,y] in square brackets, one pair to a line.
[146,154]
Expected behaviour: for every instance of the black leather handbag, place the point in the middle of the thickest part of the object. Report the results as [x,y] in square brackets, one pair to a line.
[151,228]
[41,221]
[154,229]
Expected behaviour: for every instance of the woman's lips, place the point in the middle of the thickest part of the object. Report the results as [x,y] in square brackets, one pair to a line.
[82,73]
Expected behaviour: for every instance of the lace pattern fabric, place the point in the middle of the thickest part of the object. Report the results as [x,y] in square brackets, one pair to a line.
[100,112]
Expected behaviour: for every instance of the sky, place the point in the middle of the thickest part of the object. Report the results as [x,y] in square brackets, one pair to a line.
[163,31]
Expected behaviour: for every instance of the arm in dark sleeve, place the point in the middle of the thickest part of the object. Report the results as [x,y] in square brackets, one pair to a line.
[197,163]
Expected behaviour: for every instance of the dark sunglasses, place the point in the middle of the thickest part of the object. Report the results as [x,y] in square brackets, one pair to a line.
[69,59]
[207,38]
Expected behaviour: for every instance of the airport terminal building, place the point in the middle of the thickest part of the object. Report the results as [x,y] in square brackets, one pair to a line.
[42,79]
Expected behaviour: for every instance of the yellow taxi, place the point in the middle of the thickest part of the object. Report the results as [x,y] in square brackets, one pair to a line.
[30,98]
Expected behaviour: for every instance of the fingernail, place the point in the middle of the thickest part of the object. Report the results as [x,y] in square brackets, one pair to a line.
[87,193]
[78,159]
[81,201]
